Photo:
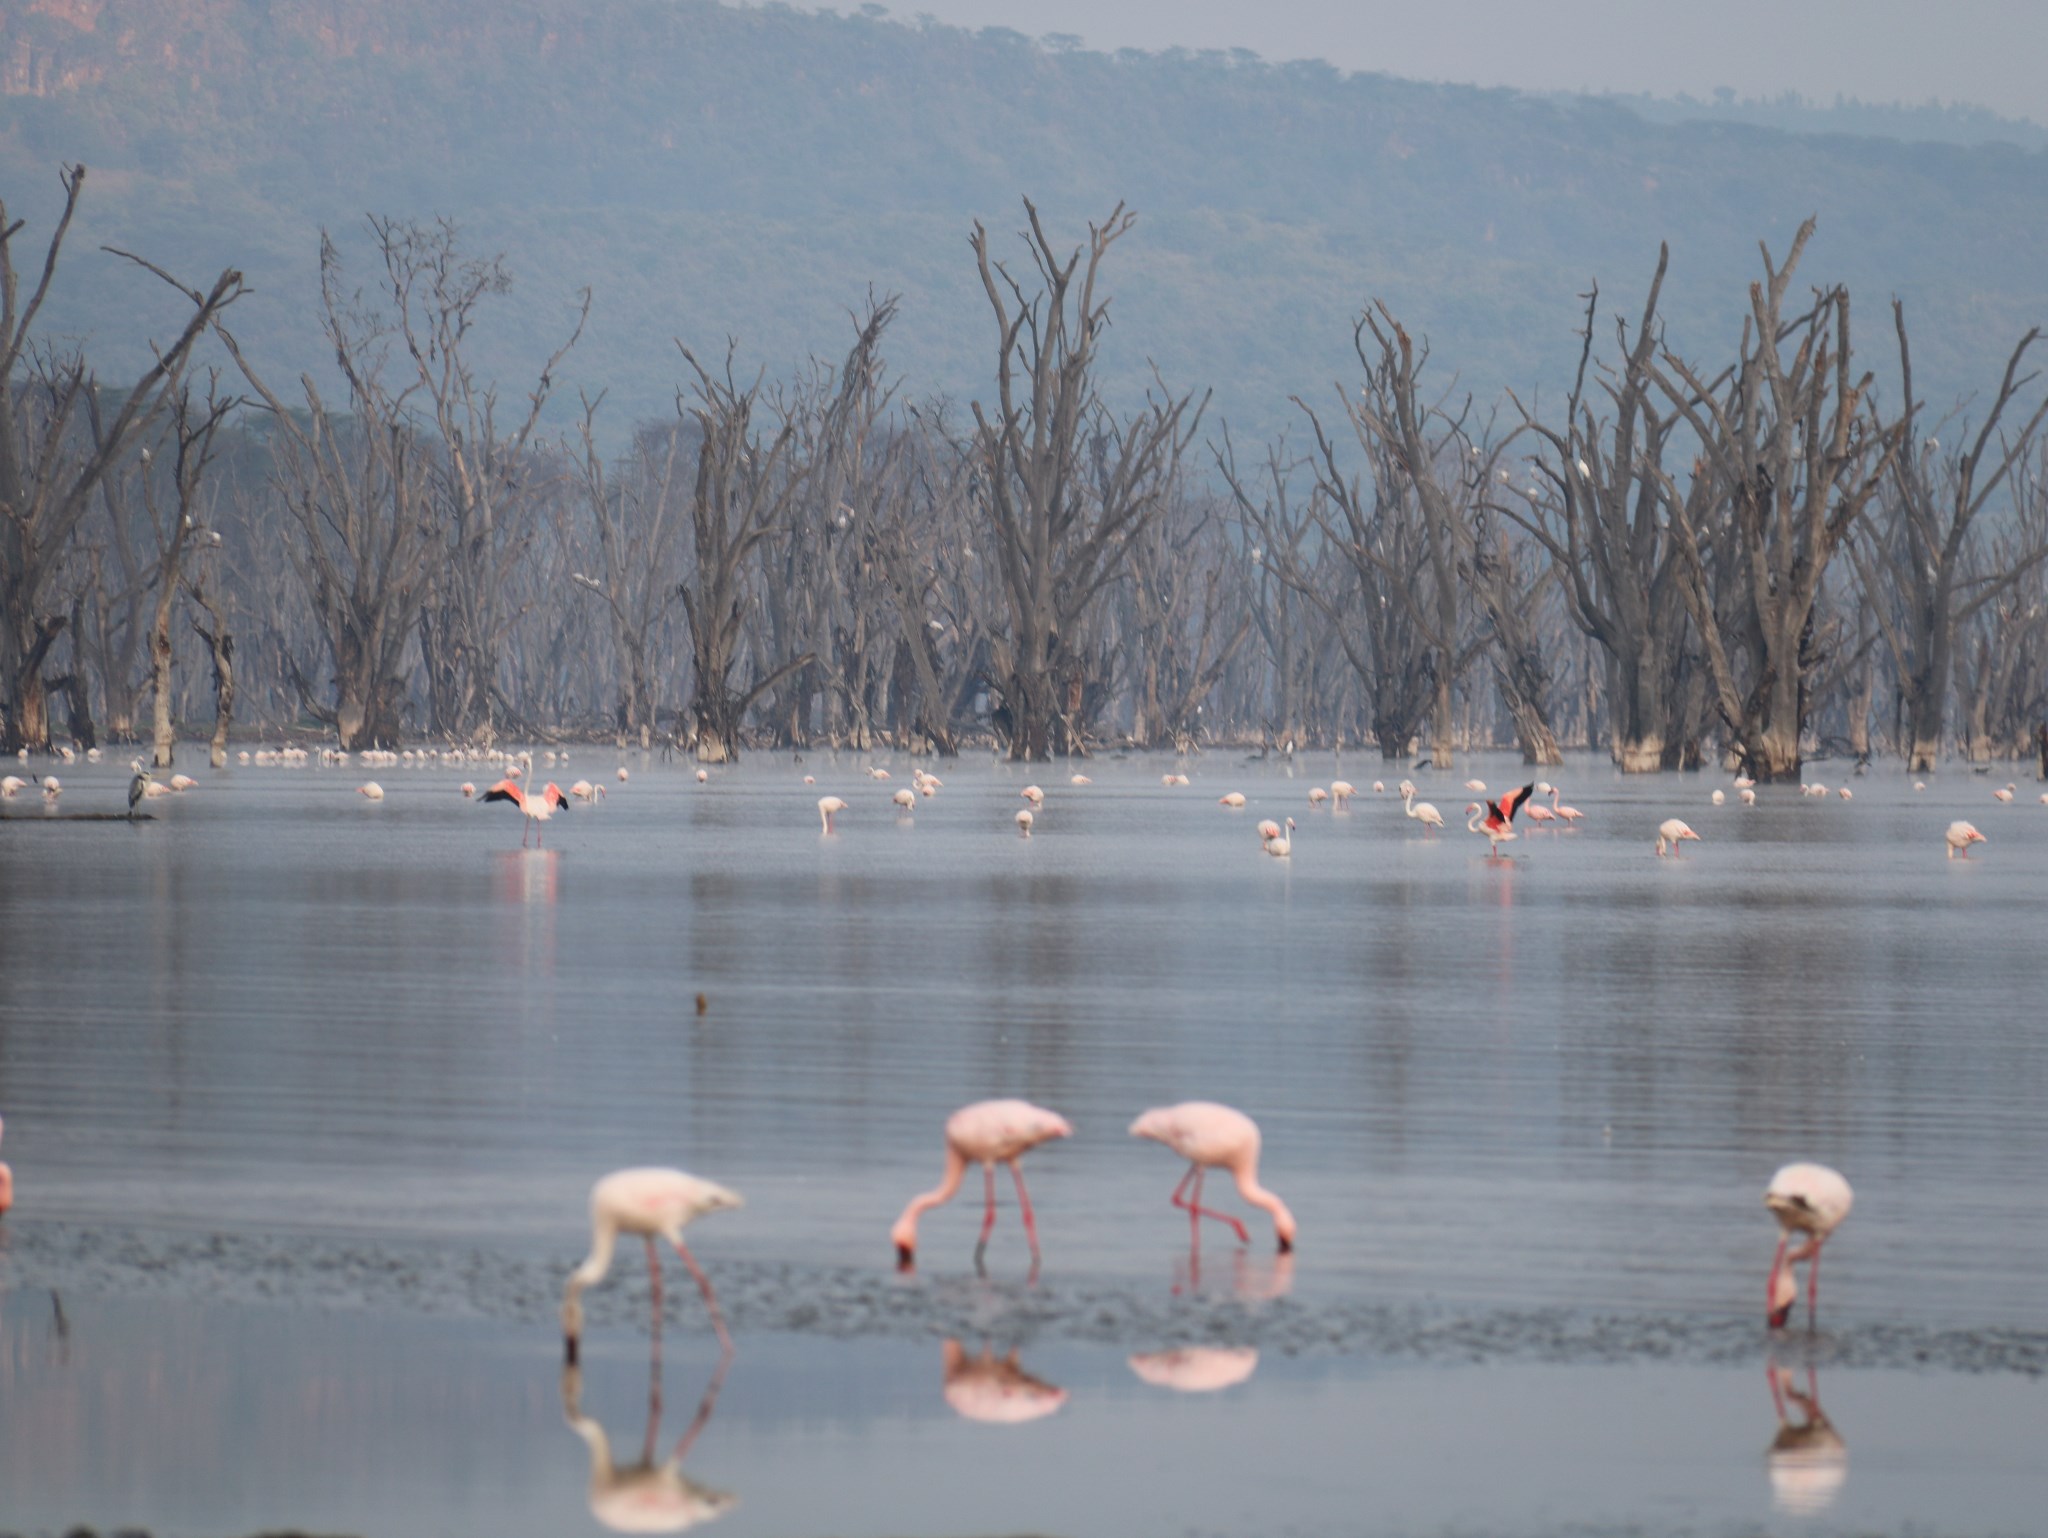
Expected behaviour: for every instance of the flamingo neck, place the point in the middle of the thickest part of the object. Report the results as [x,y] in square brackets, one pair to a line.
[604,1238]
[1472,822]
[1258,1196]
[905,1231]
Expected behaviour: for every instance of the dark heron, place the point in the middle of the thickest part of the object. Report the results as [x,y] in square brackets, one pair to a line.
[137,787]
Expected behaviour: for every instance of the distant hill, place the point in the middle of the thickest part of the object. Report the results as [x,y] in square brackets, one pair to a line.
[711,171]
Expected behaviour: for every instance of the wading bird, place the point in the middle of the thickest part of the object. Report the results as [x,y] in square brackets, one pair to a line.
[536,808]
[654,1203]
[988,1133]
[1211,1136]
[1421,811]
[905,798]
[1570,814]
[1281,845]
[1673,832]
[1960,837]
[828,807]
[1024,821]
[1232,799]
[1808,1199]
[138,787]
[1496,818]
[1341,792]
[370,790]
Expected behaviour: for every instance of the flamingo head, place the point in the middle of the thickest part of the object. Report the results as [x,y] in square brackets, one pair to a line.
[1784,1292]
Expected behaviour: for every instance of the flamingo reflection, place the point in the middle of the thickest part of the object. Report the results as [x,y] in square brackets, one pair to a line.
[529,875]
[1253,1278]
[1808,1460]
[994,1389]
[1196,1369]
[646,1497]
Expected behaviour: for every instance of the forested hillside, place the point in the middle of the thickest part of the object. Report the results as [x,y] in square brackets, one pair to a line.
[712,172]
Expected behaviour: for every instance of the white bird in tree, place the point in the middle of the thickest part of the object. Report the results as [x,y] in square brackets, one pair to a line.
[653,1203]
[1808,1199]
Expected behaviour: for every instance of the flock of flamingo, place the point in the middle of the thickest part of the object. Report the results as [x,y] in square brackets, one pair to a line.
[1808,1200]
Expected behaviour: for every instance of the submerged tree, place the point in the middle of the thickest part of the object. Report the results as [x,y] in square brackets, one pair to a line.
[49,465]
[1064,485]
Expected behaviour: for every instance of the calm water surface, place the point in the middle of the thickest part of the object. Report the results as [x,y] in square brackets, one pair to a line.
[283,1042]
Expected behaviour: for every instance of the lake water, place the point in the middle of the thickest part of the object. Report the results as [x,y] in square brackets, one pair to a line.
[304,1096]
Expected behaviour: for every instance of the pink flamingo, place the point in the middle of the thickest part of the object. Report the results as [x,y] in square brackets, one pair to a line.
[537,809]
[828,806]
[1808,1199]
[988,1133]
[1209,1136]
[1499,817]
[1674,832]
[6,1185]
[995,1389]
[651,1203]
[1421,811]
[1232,799]
[1341,792]
[1024,821]
[1960,836]
[1281,845]
[1570,814]
[1542,814]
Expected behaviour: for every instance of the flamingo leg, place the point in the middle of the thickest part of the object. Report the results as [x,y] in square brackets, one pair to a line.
[654,1286]
[710,1297]
[1196,1211]
[1771,1286]
[1024,1205]
[1813,1286]
[653,1375]
[988,1217]
[703,1414]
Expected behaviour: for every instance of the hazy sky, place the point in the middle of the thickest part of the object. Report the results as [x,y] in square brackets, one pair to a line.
[1993,53]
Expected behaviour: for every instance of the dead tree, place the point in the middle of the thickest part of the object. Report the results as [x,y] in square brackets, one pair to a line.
[357,489]
[1912,554]
[484,491]
[1598,511]
[1510,594]
[745,484]
[1792,454]
[49,467]
[179,529]
[1065,488]
[638,515]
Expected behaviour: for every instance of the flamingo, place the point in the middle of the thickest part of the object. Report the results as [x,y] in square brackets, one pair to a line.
[652,1203]
[1024,821]
[2005,794]
[1747,796]
[468,789]
[1232,799]
[995,1389]
[1540,814]
[584,790]
[1743,782]
[1477,787]
[703,776]
[1268,830]
[905,798]
[1808,1199]
[1421,811]
[988,1133]
[877,774]
[6,1184]
[1079,779]
[1808,1459]
[827,807]
[1379,787]
[1499,816]
[623,776]
[1318,796]
[1846,793]
[1919,785]
[52,789]
[1033,794]
[13,785]
[1209,1136]
[537,809]
[1570,814]
[1673,832]
[1170,780]
[1196,1369]
[182,782]
[1341,792]
[1960,837]
[645,1497]
[1717,798]
[1281,845]
[372,791]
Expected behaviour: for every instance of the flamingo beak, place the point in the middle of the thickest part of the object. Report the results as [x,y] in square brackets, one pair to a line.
[1778,1316]
[1286,1246]
[906,1258]
[568,1351]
